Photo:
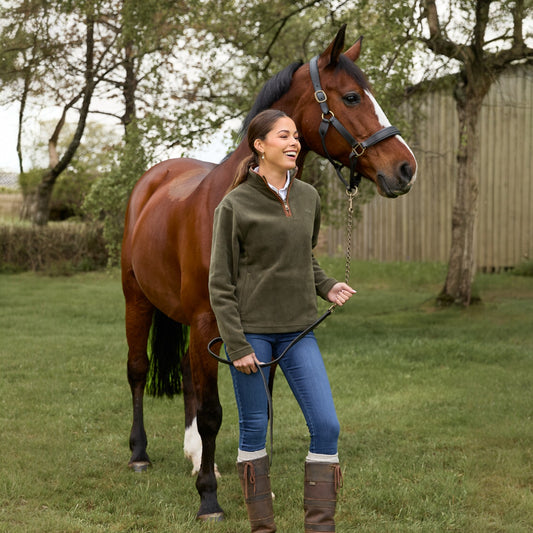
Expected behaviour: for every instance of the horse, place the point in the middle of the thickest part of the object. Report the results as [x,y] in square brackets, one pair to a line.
[167,242]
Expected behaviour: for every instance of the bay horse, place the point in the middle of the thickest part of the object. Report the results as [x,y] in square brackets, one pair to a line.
[167,243]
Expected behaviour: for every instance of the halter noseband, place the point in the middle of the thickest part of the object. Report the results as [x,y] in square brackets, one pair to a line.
[329,119]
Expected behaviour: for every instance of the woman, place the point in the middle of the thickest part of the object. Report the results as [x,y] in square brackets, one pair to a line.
[263,283]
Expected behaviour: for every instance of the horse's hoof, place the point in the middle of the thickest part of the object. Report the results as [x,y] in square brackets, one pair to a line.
[139,466]
[212,517]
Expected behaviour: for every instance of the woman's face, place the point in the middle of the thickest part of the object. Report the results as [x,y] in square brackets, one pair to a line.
[281,145]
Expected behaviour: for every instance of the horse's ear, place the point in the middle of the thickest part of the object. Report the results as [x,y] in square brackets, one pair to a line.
[334,50]
[353,52]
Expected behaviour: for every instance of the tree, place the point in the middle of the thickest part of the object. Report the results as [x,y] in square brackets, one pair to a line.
[26,46]
[43,43]
[214,71]
[123,42]
[484,38]
[59,164]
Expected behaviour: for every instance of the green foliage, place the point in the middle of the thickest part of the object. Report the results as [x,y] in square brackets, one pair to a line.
[29,180]
[108,197]
[68,194]
[524,269]
[434,406]
[92,160]
[195,68]
[273,34]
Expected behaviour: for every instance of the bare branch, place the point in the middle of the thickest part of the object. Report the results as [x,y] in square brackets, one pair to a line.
[518,17]
[505,57]
[52,141]
[437,41]
[87,96]
[106,113]
[482,19]
[280,23]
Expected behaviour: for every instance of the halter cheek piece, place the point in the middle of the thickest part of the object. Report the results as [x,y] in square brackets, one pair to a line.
[329,119]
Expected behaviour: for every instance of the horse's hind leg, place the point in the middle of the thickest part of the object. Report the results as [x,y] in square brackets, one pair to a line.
[192,443]
[139,312]
[204,371]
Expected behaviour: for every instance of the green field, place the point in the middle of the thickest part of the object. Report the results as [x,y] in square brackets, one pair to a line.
[435,407]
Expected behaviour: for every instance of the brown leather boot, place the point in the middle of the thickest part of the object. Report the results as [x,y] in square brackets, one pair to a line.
[322,482]
[255,483]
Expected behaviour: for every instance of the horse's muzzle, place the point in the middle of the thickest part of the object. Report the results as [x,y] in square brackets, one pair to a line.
[397,184]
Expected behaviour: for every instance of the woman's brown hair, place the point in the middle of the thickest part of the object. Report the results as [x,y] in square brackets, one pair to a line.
[259,128]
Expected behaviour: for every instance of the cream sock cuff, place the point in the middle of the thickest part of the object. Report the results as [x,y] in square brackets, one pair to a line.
[321,458]
[243,456]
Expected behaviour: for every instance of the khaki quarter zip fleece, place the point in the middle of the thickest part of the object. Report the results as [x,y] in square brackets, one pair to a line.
[263,276]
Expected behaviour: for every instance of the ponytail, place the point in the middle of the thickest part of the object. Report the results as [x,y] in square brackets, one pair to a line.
[245,165]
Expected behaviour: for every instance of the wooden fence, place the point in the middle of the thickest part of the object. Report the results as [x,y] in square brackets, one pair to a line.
[417,227]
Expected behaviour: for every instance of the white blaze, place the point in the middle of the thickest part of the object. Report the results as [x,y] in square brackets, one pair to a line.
[385,122]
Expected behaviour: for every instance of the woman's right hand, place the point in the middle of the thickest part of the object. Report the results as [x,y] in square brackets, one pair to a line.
[246,364]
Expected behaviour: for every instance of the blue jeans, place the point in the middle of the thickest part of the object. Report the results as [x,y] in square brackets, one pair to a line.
[304,370]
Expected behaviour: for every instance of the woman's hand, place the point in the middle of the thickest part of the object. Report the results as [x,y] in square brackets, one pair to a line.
[246,364]
[340,293]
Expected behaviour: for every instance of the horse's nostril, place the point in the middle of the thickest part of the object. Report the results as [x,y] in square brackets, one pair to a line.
[405,173]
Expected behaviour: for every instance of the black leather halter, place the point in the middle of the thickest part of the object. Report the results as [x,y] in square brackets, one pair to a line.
[329,119]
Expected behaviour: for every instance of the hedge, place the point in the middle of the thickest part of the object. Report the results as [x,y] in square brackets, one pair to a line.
[57,248]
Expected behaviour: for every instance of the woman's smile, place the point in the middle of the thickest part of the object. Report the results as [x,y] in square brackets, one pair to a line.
[279,149]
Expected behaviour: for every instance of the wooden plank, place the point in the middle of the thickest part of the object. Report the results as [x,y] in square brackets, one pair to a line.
[417,227]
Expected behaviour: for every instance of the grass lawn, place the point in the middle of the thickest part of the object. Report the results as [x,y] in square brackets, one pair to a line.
[435,408]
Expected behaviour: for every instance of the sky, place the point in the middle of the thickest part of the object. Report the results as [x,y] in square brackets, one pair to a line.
[214,151]
[8,139]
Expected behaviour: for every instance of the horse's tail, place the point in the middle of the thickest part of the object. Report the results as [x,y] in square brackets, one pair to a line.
[168,344]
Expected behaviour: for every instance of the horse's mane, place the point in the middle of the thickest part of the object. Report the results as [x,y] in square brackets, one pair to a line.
[272,91]
[279,84]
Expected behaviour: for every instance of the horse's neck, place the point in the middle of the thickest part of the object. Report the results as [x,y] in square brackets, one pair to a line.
[229,166]
[301,160]
[217,182]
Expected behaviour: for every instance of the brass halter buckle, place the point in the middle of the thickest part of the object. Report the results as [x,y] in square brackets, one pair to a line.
[320,96]
[358,150]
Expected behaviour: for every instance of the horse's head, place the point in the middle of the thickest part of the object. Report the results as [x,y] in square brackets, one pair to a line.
[348,102]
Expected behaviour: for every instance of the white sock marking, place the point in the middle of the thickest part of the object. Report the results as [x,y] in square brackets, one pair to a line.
[192,448]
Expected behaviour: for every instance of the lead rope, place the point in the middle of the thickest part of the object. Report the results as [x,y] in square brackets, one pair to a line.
[351,194]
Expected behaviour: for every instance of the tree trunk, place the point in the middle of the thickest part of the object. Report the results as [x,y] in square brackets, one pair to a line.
[461,265]
[41,211]
[130,86]
[22,110]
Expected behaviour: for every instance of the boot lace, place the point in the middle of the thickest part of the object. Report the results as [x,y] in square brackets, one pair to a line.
[249,477]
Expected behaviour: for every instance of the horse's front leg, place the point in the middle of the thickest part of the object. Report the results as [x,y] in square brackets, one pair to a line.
[138,322]
[204,370]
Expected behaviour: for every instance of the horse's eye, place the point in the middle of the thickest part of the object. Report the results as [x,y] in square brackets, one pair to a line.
[351,99]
